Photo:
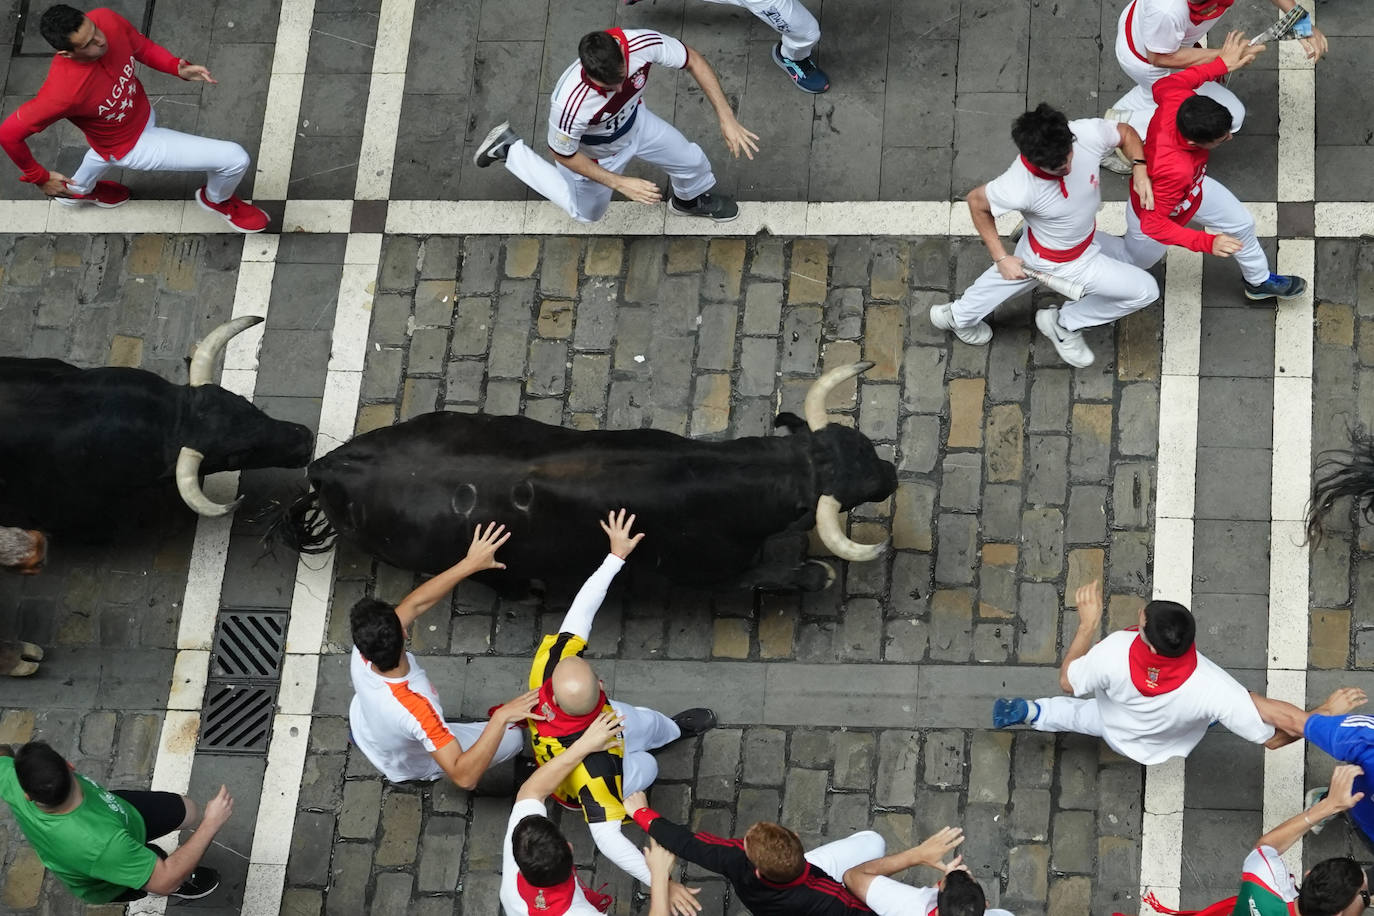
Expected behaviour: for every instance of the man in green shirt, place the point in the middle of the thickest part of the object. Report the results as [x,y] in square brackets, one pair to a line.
[95,840]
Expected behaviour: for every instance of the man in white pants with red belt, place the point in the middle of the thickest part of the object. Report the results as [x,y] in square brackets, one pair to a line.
[92,83]
[1054,184]
[1157,37]
[798,32]
[598,122]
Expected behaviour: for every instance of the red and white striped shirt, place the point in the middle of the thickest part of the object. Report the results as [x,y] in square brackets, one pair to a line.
[582,115]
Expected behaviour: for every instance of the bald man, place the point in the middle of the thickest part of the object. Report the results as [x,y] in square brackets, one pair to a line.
[571,697]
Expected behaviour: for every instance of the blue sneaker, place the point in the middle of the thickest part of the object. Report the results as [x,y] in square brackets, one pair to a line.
[1008,712]
[808,77]
[1281,285]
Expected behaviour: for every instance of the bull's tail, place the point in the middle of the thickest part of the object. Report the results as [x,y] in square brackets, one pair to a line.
[300,525]
[1339,475]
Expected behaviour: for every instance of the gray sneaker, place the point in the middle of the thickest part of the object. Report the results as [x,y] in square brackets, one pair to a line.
[494,148]
[942,316]
[1073,349]
[715,206]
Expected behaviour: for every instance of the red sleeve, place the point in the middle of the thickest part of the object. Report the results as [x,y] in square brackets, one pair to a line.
[1185,82]
[146,50]
[14,134]
[1162,229]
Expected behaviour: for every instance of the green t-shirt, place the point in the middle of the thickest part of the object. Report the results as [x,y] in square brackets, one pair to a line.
[96,850]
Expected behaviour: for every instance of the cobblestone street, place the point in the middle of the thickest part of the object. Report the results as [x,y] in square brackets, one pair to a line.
[406,281]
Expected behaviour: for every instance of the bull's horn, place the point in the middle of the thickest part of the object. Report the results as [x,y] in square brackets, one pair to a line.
[814,407]
[203,359]
[833,536]
[188,485]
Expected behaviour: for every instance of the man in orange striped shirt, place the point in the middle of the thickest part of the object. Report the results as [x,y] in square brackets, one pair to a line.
[395,716]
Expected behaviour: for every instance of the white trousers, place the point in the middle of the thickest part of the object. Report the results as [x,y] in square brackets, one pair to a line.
[161,149]
[1140,101]
[1069,714]
[1220,210]
[467,733]
[651,139]
[1115,288]
[840,856]
[645,730]
[793,22]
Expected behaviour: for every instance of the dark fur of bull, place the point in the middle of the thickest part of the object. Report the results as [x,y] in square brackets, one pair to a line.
[410,494]
[76,445]
[1339,475]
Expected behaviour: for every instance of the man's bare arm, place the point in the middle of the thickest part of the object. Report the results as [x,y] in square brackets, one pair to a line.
[481,556]
[1183,57]
[737,138]
[1290,721]
[1089,601]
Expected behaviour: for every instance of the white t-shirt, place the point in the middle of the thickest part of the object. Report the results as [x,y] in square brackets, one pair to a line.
[584,116]
[397,722]
[1153,729]
[1059,222]
[1268,866]
[887,897]
[510,895]
[1164,26]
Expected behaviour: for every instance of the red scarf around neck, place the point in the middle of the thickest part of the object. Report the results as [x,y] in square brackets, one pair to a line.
[560,724]
[1154,674]
[1195,8]
[556,900]
[1038,172]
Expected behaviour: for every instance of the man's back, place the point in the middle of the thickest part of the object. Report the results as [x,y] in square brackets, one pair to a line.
[397,722]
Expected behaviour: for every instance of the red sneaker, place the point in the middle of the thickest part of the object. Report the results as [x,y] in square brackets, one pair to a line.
[238,213]
[106,194]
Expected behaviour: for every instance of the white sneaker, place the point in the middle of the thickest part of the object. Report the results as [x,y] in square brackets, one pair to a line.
[942,316]
[1070,344]
[1314,795]
[1116,161]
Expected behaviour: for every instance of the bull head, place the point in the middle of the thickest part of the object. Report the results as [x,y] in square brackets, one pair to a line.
[828,525]
[189,459]
[23,551]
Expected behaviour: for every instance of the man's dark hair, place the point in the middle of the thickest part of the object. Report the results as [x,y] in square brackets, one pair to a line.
[541,852]
[377,632]
[1169,628]
[58,23]
[1203,120]
[1043,136]
[960,896]
[602,58]
[1330,887]
[43,774]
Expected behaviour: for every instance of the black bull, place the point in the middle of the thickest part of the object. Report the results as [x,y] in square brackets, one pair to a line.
[410,494]
[78,445]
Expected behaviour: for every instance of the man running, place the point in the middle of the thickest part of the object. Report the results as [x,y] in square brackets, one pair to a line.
[598,122]
[92,83]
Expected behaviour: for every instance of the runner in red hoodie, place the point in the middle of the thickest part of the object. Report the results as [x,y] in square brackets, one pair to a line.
[1183,132]
[93,83]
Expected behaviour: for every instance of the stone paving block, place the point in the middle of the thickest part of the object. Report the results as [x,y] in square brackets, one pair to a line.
[989,767]
[898,756]
[1090,450]
[361,809]
[1049,469]
[951,624]
[400,830]
[349,874]
[441,854]
[1030,815]
[1077,768]
[311,842]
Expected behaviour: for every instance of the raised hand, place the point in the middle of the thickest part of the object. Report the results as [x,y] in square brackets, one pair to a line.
[518,709]
[617,528]
[602,733]
[482,551]
[1088,599]
[933,851]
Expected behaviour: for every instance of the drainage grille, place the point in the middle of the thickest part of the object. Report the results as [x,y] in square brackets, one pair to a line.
[245,672]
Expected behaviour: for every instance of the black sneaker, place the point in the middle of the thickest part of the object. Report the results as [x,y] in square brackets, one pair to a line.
[202,883]
[718,207]
[695,721]
[1283,286]
[495,146]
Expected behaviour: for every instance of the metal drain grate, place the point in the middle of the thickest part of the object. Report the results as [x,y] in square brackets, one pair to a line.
[245,671]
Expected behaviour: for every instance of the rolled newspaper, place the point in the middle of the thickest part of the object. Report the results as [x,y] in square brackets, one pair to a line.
[1285,27]
[1066,288]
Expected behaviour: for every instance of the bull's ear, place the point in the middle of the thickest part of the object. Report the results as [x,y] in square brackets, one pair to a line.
[794,423]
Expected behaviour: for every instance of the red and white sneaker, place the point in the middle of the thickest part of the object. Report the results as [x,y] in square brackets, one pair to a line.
[237,212]
[105,194]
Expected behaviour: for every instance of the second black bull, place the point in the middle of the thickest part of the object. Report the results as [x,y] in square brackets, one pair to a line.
[410,495]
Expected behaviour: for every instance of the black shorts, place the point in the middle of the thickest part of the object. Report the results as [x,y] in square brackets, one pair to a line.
[162,812]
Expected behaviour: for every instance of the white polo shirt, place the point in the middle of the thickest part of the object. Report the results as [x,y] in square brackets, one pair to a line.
[397,722]
[1152,729]
[598,121]
[1164,26]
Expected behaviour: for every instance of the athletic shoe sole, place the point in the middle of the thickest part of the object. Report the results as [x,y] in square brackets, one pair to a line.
[1260,297]
[483,158]
[672,205]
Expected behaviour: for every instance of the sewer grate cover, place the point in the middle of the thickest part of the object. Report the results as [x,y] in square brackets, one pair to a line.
[245,670]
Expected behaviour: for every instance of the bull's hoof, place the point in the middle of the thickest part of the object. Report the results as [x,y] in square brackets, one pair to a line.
[19,659]
[815,576]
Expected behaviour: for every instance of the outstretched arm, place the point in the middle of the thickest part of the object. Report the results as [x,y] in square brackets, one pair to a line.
[480,556]
[932,852]
[603,731]
[737,138]
[580,617]
[1340,797]
[1289,721]
[1089,601]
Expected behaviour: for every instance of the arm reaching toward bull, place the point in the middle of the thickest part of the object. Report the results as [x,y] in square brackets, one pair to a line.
[480,556]
[578,621]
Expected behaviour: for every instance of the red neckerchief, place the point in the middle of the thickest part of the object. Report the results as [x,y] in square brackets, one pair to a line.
[559,898]
[559,723]
[1041,173]
[1153,674]
[620,39]
[1195,7]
